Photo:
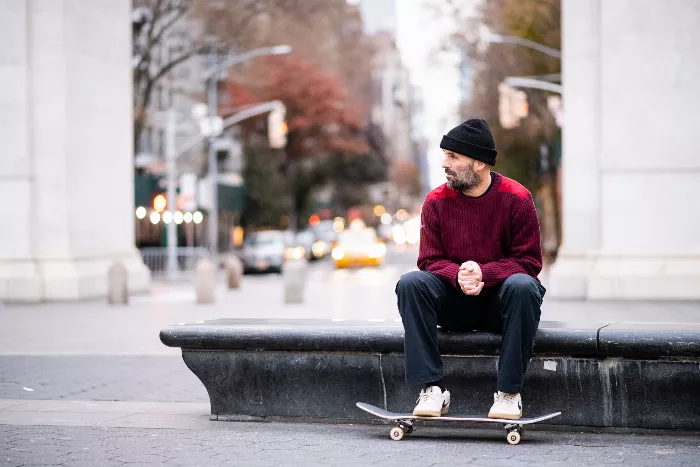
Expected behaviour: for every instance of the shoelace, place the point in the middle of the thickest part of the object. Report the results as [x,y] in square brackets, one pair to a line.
[424,396]
[507,398]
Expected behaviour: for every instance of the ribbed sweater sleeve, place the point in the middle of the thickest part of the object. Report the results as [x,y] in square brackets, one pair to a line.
[431,254]
[525,251]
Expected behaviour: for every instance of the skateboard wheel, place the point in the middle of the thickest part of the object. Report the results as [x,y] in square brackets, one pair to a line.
[396,433]
[513,437]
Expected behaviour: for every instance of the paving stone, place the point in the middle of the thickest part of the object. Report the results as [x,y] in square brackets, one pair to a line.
[298,444]
[92,377]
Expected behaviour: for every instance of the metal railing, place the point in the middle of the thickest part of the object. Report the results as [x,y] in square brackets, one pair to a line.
[187,257]
[191,235]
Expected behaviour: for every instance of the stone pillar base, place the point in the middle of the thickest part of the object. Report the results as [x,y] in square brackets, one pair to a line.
[568,277]
[624,278]
[19,282]
[69,279]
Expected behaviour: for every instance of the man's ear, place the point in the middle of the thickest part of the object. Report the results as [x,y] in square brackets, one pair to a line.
[479,165]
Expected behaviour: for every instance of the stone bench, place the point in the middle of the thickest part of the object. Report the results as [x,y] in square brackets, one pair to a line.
[607,374]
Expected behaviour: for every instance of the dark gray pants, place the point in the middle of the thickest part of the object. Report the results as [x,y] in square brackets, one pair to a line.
[426,301]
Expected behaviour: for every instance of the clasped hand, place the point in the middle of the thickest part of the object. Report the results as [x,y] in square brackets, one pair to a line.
[470,278]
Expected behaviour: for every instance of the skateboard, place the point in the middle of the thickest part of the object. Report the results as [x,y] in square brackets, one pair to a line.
[404,422]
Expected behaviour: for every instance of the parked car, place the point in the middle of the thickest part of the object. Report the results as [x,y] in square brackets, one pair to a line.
[264,251]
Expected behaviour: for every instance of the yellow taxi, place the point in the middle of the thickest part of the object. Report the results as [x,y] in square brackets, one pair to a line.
[358,247]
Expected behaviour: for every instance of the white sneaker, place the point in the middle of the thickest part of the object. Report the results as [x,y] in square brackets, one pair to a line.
[508,406]
[432,402]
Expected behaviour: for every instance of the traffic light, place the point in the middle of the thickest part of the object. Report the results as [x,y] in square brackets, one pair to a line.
[277,128]
[512,106]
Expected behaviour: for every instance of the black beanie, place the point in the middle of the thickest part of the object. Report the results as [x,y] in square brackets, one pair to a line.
[472,139]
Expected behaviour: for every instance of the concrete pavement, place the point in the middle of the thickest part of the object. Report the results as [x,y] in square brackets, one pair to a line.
[152,378]
[113,434]
[93,327]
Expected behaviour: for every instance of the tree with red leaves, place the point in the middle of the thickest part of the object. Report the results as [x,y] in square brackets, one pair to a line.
[320,118]
[323,125]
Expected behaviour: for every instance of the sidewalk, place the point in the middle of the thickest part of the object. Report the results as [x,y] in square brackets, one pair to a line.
[116,433]
[147,378]
[95,328]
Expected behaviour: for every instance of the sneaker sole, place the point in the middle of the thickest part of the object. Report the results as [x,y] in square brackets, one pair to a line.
[505,416]
[426,413]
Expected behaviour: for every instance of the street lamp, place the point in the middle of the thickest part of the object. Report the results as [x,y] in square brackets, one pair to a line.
[535,82]
[503,39]
[211,75]
[527,82]
[543,82]
[217,68]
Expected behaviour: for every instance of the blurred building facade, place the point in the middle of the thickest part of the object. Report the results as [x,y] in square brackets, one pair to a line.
[420,142]
[66,143]
[631,171]
[180,89]
[391,108]
[395,103]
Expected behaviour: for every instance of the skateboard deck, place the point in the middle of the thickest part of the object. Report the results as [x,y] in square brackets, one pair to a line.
[514,428]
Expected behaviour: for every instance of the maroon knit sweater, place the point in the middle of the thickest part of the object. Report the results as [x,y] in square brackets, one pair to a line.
[498,230]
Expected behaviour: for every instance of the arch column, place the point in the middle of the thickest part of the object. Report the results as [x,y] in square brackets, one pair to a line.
[66,177]
[631,154]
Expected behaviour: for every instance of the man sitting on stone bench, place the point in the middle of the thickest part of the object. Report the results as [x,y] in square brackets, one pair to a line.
[479,259]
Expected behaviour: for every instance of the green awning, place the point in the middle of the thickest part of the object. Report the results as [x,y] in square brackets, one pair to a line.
[145,189]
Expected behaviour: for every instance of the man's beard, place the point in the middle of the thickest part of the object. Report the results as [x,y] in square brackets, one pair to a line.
[464,180]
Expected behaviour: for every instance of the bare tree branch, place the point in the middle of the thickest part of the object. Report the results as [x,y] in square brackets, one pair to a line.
[156,13]
[173,63]
[165,14]
[177,13]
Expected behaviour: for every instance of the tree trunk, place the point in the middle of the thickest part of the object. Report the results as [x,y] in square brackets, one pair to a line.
[140,114]
[138,129]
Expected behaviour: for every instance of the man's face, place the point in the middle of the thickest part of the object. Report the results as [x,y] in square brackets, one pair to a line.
[459,170]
